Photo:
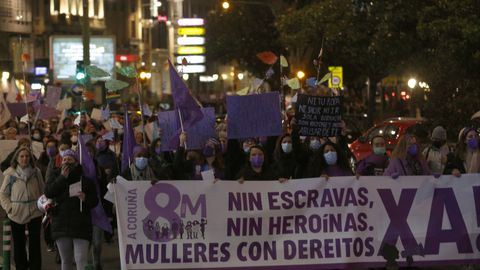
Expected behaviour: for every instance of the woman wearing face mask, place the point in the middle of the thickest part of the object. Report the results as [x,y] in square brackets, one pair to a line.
[106,159]
[71,219]
[140,169]
[161,167]
[406,159]
[377,161]
[37,135]
[333,163]
[50,152]
[22,186]
[256,167]
[214,158]
[285,163]
[466,158]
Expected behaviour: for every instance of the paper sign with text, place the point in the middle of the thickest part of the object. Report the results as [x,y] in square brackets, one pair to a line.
[318,116]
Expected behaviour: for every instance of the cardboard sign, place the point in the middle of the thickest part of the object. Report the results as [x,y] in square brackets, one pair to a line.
[96,114]
[318,116]
[254,116]
[53,96]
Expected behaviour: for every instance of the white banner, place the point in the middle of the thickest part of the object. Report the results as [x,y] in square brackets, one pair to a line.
[301,224]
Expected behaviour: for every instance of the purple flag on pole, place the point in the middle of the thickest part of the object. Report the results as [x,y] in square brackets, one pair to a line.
[99,218]
[184,103]
[128,141]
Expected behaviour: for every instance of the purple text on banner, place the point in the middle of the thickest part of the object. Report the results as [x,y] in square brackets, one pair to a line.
[53,96]
[46,112]
[197,134]
[254,116]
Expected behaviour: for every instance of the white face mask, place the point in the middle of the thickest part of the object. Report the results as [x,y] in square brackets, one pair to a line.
[74,139]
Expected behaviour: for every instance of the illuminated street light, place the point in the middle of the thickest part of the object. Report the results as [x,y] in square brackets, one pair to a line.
[224,76]
[225,5]
[412,83]
[300,74]
[240,76]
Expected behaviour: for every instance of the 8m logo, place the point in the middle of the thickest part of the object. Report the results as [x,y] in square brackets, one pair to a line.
[163,223]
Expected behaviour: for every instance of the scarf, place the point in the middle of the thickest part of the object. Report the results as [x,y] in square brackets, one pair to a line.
[25,173]
[138,175]
[472,162]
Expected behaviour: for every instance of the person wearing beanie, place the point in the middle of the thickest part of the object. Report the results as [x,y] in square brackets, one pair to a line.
[466,157]
[140,168]
[71,218]
[436,153]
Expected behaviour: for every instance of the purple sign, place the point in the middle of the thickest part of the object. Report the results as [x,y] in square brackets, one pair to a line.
[254,116]
[197,134]
[45,112]
[17,109]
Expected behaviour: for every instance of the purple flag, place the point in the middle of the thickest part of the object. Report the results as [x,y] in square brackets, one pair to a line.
[184,103]
[99,218]
[45,112]
[128,141]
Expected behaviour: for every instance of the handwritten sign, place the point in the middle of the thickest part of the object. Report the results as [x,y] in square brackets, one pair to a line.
[318,116]
[254,116]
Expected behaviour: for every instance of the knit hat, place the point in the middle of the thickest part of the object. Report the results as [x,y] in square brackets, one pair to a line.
[139,149]
[70,153]
[439,133]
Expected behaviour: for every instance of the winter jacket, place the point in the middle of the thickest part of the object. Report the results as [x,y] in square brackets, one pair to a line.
[18,196]
[373,165]
[398,167]
[67,219]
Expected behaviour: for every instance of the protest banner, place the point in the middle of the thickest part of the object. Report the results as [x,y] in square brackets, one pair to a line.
[302,224]
[197,134]
[318,116]
[254,116]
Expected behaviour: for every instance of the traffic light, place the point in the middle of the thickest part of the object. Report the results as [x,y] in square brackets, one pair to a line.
[80,71]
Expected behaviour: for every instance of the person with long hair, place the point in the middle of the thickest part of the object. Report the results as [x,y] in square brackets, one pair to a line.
[256,167]
[22,186]
[285,164]
[406,159]
[466,158]
[333,162]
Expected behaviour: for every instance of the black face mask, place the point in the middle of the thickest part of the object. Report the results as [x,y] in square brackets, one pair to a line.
[438,144]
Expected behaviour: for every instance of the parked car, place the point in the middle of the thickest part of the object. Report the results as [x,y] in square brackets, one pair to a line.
[392,129]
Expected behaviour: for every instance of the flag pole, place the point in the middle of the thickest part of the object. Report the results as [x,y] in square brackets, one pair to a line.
[24,87]
[80,149]
[181,125]
[140,102]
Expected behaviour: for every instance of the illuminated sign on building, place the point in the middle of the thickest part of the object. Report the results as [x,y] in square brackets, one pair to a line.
[190,22]
[191,59]
[191,69]
[190,40]
[190,48]
[191,31]
[65,51]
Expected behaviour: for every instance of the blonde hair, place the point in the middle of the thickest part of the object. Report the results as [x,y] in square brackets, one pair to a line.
[14,161]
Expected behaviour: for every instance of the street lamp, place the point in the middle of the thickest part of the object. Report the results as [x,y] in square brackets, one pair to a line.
[300,74]
[412,82]
[225,5]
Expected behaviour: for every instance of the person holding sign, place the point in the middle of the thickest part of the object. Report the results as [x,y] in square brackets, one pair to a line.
[256,167]
[333,163]
[407,159]
[74,196]
[377,161]
[22,186]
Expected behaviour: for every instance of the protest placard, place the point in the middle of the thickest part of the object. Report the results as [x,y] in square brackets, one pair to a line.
[64,104]
[53,96]
[301,224]
[197,134]
[254,116]
[46,112]
[318,116]
[96,114]
[17,109]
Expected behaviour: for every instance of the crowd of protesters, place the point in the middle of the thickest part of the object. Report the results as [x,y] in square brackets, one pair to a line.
[68,227]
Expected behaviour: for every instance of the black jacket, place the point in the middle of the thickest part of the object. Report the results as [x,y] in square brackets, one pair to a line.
[67,219]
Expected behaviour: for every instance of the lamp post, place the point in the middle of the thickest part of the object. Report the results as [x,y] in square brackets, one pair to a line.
[226,5]
[412,83]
